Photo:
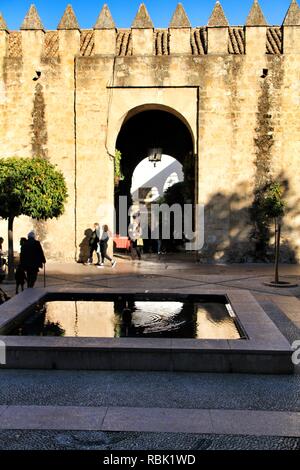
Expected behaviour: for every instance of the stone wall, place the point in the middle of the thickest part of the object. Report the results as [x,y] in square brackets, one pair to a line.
[236,88]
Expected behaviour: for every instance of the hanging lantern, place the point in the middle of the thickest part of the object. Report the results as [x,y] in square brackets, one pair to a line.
[154,155]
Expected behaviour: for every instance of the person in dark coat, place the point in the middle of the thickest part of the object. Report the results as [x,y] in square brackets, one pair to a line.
[93,244]
[32,258]
[2,261]
[103,245]
[20,277]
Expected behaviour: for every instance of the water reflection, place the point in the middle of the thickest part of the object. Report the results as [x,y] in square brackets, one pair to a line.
[124,317]
[214,322]
[83,319]
[38,324]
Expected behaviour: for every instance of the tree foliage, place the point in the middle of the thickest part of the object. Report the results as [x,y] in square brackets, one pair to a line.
[268,204]
[118,171]
[32,187]
[181,192]
[273,205]
[178,193]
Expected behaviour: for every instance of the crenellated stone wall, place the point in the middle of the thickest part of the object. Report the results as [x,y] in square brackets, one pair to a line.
[236,87]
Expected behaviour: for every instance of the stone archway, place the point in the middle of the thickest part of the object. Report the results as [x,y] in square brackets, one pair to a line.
[154,126]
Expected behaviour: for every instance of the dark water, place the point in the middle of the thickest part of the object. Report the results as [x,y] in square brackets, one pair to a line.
[124,318]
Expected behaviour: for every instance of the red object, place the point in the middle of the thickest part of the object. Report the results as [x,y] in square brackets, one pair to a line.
[121,242]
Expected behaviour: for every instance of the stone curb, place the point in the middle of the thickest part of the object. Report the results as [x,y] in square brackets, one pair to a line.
[120,419]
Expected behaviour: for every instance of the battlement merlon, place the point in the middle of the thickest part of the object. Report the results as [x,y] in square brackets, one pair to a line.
[3,37]
[218,37]
[142,33]
[32,33]
[291,30]
[180,32]
[68,34]
[218,31]
[105,33]
[256,31]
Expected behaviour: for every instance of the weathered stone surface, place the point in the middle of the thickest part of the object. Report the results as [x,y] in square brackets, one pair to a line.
[3,26]
[292,17]
[180,18]
[105,19]
[14,44]
[78,135]
[69,20]
[142,19]
[218,17]
[256,16]
[32,20]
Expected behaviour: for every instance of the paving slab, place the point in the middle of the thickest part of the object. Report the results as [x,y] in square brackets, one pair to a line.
[290,306]
[2,410]
[157,419]
[129,419]
[257,423]
[52,417]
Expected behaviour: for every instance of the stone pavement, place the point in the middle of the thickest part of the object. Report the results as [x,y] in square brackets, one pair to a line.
[168,273]
[124,441]
[186,393]
[196,421]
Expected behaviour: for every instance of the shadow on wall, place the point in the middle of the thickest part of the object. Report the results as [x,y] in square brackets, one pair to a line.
[84,248]
[231,235]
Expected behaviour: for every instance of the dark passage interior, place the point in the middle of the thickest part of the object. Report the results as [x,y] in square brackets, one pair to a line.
[151,129]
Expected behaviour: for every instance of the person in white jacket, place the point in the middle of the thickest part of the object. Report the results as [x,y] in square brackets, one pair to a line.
[135,233]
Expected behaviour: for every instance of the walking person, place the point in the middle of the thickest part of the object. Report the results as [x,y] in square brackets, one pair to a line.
[137,242]
[32,258]
[20,275]
[103,246]
[2,261]
[93,244]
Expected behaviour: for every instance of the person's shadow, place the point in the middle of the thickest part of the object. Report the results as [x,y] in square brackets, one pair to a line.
[84,246]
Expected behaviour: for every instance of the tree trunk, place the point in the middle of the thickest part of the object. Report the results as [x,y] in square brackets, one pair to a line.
[277,250]
[10,248]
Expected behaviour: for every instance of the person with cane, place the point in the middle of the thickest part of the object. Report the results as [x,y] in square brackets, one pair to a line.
[44,274]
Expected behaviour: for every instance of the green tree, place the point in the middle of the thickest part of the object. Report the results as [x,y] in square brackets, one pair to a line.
[117,167]
[273,207]
[32,187]
[178,193]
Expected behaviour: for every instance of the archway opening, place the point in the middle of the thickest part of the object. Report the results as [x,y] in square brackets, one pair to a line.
[149,182]
[145,182]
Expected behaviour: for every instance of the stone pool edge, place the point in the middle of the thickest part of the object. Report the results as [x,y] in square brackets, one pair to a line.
[266,350]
